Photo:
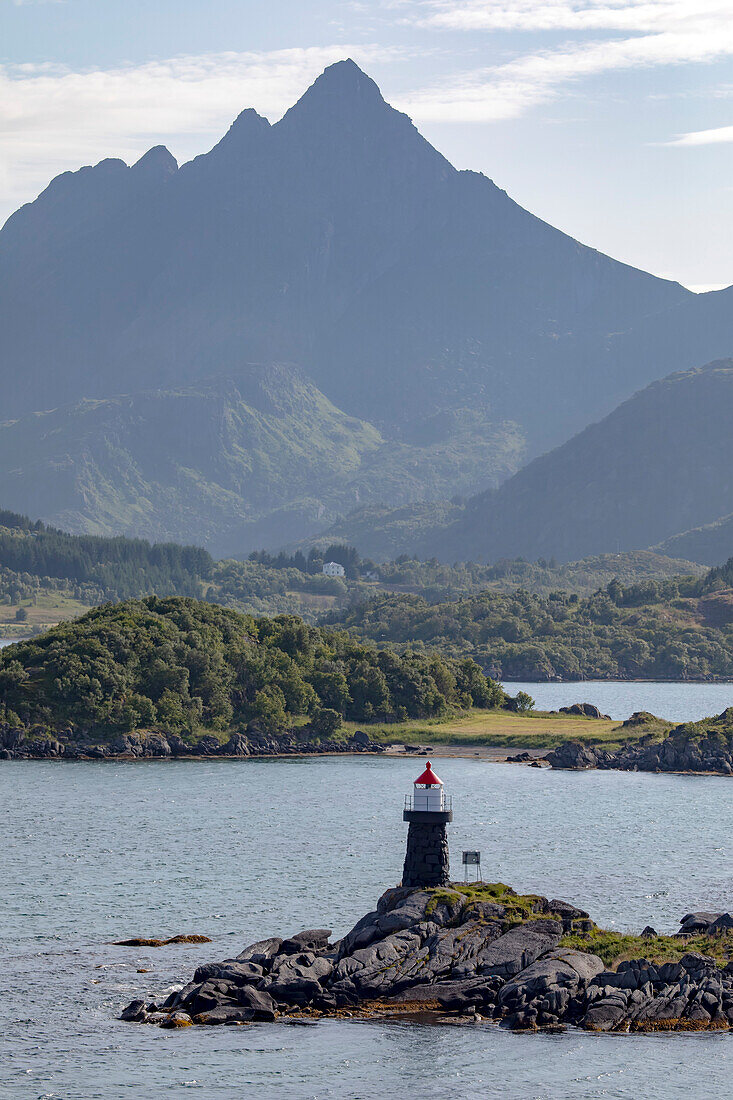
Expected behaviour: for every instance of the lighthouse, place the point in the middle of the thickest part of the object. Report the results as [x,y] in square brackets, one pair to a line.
[428,811]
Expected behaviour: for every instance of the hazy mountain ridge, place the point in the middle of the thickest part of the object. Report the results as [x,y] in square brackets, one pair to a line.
[654,473]
[405,293]
[658,464]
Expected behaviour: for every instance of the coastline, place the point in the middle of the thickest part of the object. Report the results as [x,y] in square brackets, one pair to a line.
[470,953]
[487,753]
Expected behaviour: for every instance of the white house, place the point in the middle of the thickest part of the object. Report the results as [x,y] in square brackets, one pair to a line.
[333,569]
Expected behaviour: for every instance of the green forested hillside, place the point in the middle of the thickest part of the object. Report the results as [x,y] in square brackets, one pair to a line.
[46,575]
[676,629]
[235,463]
[182,665]
[114,567]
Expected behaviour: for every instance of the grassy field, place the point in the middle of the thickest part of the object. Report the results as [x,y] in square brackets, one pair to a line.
[500,729]
[45,612]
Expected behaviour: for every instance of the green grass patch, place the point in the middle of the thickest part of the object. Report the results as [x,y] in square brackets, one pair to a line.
[615,947]
[498,728]
[519,908]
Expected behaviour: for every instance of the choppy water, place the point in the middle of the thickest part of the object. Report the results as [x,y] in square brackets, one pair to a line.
[680,702]
[94,852]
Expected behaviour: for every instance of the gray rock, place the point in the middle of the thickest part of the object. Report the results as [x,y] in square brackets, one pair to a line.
[259,1002]
[402,908]
[587,710]
[518,948]
[297,979]
[155,744]
[547,987]
[485,910]
[174,1020]
[135,1011]
[572,755]
[605,1015]
[209,995]
[696,922]
[231,970]
[261,953]
[371,970]
[313,939]
[236,745]
[227,1015]
[566,911]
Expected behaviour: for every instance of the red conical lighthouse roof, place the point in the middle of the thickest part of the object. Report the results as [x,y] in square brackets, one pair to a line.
[429,778]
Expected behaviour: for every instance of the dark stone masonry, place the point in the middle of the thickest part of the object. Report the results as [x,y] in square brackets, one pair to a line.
[427,862]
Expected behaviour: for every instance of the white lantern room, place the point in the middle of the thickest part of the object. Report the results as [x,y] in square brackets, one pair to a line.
[428,794]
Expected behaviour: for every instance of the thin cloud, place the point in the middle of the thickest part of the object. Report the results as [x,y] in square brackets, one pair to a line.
[567,15]
[719,136]
[667,33]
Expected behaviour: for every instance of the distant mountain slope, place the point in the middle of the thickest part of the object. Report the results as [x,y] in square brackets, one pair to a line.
[708,544]
[662,462]
[234,462]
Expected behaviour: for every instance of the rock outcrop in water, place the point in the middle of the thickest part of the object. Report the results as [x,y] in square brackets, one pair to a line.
[477,952]
[705,746]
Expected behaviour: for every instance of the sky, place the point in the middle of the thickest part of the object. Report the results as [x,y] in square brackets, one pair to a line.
[611,119]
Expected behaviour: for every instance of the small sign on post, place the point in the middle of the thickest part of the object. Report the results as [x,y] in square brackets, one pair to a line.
[471,859]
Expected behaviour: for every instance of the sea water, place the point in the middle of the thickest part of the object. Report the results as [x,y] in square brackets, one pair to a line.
[677,701]
[239,850]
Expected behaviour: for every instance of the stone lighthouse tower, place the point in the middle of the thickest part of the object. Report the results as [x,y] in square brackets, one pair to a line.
[428,812]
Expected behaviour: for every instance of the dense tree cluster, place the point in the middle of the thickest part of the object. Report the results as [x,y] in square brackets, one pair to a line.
[348,556]
[182,665]
[652,630]
[118,567]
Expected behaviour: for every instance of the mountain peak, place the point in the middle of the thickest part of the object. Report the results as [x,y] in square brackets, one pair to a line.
[248,127]
[158,161]
[340,92]
[345,77]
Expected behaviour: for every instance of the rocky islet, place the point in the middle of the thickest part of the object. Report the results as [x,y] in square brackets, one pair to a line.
[468,953]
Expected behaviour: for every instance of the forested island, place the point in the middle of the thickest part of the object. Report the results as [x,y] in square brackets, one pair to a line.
[186,669]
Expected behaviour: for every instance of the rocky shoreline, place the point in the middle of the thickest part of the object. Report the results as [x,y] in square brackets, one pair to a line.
[470,953]
[35,744]
[692,748]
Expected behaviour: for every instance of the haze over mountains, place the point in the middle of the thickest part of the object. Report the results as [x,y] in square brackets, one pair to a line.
[659,465]
[314,315]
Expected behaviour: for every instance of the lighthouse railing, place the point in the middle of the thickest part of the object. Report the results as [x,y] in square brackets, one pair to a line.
[420,802]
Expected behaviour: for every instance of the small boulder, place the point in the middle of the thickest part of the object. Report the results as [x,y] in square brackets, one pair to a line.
[586,710]
[313,939]
[261,953]
[231,970]
[227,1015]
[177,1019]
[134,1012]
[572,755]
[259,1002]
